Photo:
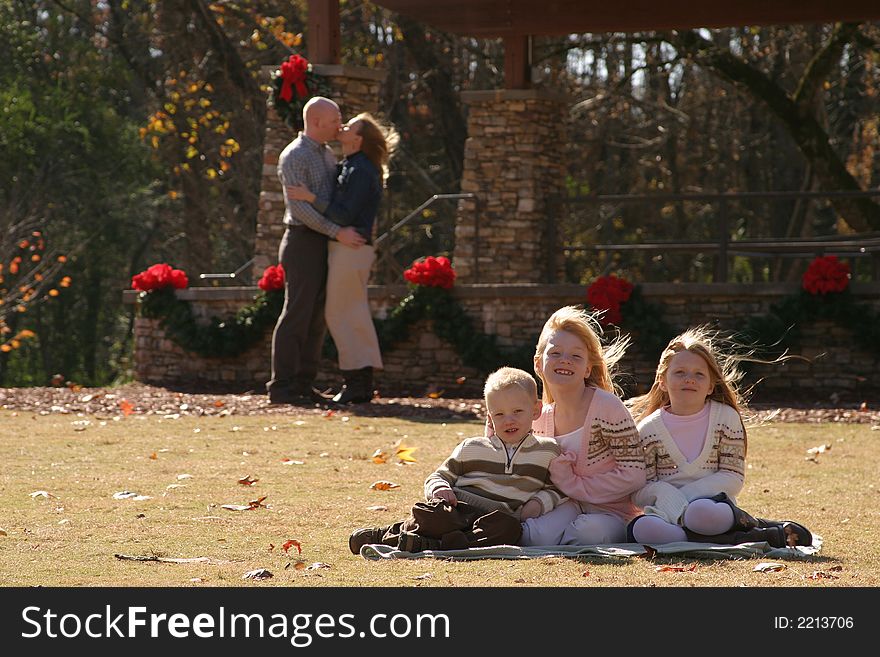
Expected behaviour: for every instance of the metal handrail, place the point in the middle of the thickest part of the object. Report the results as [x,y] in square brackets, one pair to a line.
[433,199]
[231,274]
[845,245]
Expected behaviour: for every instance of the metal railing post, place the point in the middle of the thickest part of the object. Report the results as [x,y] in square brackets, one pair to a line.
[723,242]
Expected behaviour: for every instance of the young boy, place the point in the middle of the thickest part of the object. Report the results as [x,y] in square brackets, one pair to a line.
[488,485]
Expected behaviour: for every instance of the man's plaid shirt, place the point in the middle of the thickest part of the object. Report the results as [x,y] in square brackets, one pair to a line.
[306,162]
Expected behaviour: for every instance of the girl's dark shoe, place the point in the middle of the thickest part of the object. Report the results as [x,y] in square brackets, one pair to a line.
[742,521]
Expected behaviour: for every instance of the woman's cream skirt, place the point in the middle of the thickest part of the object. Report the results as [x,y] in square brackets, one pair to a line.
[347,310]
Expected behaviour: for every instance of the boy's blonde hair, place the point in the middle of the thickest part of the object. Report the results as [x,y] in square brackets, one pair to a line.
[507,377]
[603,359]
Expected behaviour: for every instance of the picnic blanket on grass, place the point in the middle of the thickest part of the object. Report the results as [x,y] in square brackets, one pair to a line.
[609,552]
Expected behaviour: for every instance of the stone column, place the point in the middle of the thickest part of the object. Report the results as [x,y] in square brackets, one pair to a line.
[356,89]
[512,163]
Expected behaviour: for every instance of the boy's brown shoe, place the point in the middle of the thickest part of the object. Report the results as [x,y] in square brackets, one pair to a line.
[365,536]
[410,542]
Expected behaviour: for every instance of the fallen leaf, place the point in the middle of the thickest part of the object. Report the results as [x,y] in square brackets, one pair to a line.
[247,480]
[384,485]
[818,574]
[586,573]
[253,504]
[292,543]
[405,454]
[318,565]
[154,456]
[821,449]
[460,380]
[87,398]
[259,573]
[271,546]
[126,407]
[377,507]
[329,413]
[299,565]
[219,404]
[3,532]
[676,569]
[379,456]
[769,567]
[41,493]
[135,557]
[128,495]
[75,387]
[836,569]
[436,395]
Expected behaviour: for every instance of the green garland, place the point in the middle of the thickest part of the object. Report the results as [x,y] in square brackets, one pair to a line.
[234,336]
[647,321]
[452,324]
[228,337]
[781,326]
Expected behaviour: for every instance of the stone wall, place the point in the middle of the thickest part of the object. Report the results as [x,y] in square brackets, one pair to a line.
[356,90]
[512,164]
[515,313]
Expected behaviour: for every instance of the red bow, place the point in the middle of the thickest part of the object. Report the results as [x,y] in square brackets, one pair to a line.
[293,72]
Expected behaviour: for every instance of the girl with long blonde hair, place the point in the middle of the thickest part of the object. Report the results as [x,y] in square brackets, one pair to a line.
[693,436]
[601,463]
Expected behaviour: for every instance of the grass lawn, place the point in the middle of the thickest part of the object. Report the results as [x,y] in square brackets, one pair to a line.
[61,526]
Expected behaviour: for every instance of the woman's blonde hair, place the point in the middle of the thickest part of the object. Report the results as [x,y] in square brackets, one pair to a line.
[379,141]
[603,360]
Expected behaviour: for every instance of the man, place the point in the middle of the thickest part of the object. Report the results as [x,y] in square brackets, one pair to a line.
[299,333]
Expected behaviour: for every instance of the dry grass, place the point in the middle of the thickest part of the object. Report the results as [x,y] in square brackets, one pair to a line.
[70,538]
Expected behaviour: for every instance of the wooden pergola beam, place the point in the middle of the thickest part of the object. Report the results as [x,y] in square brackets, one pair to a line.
[517,67]
[504,18]
[323,32]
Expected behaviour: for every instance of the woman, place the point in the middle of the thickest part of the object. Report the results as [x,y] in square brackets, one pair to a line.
[366,148]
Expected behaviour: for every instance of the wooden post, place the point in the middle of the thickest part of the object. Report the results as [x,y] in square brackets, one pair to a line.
[517,67]
[323,34]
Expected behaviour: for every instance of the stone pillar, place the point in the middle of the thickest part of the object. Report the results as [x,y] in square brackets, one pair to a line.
[513,164]
[356,89]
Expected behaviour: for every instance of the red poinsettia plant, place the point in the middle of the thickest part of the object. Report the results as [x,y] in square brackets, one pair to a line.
[608,293]
[826,274]
[431,272]
[159,276]
[272,279]
[294,83]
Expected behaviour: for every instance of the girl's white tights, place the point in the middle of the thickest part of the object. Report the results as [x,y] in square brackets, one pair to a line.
[566,525]
[701,516]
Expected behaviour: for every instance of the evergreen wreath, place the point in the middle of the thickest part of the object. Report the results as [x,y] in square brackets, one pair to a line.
[293,84]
